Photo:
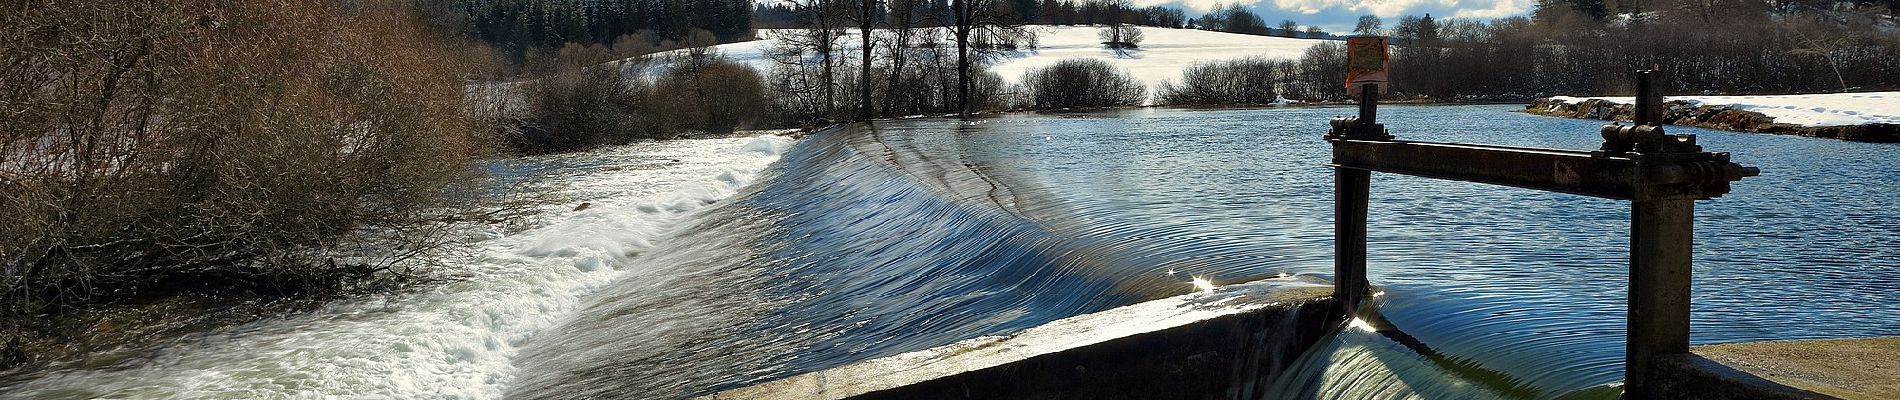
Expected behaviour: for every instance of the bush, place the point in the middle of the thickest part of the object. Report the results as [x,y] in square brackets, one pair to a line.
[1082,83]
[236,147]
[1246,81]
[588,103]
[706,92]
[580,108]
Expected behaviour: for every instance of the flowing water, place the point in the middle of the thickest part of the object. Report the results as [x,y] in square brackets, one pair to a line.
[925,232]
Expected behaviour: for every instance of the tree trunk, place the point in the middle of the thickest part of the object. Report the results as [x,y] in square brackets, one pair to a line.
[864,65]
[902,38]
[963,25]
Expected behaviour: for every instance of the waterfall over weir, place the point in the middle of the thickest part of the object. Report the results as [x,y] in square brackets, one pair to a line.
[700,269]
[839,254]
[863,243]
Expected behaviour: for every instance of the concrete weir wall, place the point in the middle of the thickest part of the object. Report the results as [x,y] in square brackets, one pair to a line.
[1225,343]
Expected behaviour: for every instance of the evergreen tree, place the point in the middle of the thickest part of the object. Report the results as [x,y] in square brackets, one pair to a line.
[1596,9]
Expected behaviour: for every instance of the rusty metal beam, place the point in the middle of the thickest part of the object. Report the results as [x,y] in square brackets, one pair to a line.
[1564,171]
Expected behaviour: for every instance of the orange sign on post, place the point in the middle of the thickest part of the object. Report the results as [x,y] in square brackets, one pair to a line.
[1365,64]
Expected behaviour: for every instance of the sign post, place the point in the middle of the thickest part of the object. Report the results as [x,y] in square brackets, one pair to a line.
[1365,65]
[1365,78]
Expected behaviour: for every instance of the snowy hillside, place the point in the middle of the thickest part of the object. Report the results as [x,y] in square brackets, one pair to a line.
[1833,109]
[1163,54]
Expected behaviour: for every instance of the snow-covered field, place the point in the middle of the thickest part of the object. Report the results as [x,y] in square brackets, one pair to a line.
[1164,52]
[1833,109]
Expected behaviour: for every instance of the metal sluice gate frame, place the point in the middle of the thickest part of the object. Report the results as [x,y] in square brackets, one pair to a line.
[1661,174]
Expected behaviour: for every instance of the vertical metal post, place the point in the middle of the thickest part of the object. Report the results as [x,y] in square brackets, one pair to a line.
[1660,258]
[1648,100]
[1661,242]
[1351,192]
[1369,105]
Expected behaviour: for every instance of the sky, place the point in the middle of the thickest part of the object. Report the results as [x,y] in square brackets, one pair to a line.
[1339,16]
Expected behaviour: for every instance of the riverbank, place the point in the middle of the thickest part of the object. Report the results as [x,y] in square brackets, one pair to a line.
[448,331]
[1850,369]
[1861,117]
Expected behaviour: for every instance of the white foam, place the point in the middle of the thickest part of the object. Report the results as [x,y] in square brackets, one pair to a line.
[454,340]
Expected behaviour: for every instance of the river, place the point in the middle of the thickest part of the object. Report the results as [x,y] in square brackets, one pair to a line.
[930,231]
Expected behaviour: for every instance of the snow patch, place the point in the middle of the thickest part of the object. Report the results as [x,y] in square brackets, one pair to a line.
[1829,109]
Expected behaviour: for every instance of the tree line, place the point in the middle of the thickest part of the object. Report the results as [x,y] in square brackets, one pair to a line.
[1237,18]
[1703,46]
[1045,12]
[1588,47]
[518,26]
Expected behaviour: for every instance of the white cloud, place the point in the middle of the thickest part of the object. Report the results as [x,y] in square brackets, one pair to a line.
[1395,8]
[1381,8]
[1498,9]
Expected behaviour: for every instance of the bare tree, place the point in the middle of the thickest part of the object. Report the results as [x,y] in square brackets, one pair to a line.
[824,27]
[1120,37]
[125,170]
[969,17]
[1825,43]
[867,19]
[901,20]
[1369,25]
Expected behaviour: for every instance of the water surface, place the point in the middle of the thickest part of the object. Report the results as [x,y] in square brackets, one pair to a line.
[924,232]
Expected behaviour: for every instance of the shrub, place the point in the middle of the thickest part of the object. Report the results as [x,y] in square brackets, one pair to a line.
[1080,83]
[580,108]
[1246,81]
[708,93]
[588,103]
[237,147]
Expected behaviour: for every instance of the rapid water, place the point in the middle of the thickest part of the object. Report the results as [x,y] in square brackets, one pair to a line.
[455,340]
[925,232]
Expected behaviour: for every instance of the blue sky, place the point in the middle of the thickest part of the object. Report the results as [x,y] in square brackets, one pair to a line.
[1340,15]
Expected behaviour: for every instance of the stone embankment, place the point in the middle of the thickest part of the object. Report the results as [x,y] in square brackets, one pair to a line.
[1712,116]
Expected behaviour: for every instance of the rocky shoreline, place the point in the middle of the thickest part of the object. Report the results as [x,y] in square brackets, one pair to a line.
[1713,116]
